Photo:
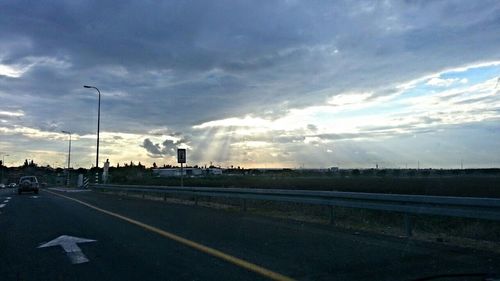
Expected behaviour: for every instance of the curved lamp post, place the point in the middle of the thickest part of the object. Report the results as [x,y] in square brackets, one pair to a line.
[98,126]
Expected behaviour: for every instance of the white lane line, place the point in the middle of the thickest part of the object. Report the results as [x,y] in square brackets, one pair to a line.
[2,205]
[9,198]
[6,201]
[199,247]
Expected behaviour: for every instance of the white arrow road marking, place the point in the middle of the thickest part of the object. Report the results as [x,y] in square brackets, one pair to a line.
[2,205]
[68,243]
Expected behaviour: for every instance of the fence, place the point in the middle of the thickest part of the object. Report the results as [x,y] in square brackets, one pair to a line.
[463,207]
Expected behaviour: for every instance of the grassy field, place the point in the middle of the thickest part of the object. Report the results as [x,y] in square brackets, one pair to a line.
[459,185]
[471,233]
[464,232]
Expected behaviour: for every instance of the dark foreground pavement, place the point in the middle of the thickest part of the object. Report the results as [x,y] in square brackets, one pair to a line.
[126,251]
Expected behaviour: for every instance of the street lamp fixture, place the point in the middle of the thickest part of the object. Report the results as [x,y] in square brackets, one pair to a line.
[98,127]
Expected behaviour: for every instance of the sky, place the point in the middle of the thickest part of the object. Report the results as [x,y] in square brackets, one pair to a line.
[266,84]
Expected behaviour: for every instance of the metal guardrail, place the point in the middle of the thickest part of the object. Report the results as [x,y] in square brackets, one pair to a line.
[463,207]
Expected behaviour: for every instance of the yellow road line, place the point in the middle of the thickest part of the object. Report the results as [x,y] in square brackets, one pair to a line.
[200,247]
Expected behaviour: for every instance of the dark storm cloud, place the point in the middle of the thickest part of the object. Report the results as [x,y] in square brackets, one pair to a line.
[153,149]
[312,127]
[166,148]
[183,63]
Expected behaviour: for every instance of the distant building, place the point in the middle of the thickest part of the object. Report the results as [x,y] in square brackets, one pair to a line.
[215,171]
[313,170]
[176,172]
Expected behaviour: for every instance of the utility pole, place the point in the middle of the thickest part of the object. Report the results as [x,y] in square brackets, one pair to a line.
[3,164]
[69,156]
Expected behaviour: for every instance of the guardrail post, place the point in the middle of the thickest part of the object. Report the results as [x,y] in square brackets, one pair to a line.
[332,217]
[196,200]
[143,194]
[408,225]
[164,197]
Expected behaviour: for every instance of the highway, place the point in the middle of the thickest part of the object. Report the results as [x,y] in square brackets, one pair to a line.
[136,239]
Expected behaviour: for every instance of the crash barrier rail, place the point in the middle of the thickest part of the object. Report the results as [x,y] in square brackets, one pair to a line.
[462,207]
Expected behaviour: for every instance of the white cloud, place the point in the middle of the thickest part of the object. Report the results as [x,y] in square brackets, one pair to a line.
[18,69]
[468,66]
[17,113]
[10,71]
[251,144]
[439,82]
[246,121]
[31,133]
[346,99]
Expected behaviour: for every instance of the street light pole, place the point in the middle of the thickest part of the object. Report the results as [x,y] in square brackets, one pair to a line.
[69,156]
[98,128]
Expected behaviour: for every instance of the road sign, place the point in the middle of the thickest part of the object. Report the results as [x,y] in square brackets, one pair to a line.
[68,243]
[181,155]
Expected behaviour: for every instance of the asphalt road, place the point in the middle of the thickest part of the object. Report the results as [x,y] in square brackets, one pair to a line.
[148,240]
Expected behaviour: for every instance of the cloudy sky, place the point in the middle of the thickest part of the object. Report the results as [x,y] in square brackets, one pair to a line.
[252,83]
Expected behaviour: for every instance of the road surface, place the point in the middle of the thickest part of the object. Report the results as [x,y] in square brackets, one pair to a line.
[139,239]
